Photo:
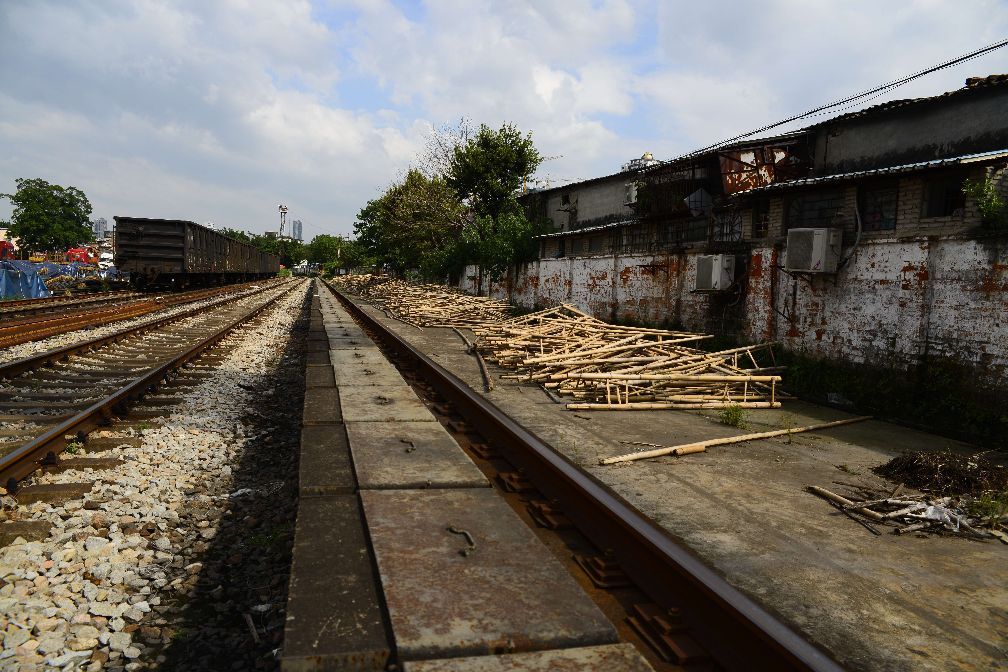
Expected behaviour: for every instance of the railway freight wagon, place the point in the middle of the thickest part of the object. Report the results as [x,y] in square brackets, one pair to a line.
[180,253]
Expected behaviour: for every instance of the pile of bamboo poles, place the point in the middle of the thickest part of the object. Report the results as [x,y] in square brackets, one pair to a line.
[426,305]
[608,367]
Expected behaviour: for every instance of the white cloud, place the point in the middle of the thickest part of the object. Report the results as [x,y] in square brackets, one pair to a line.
[220,110]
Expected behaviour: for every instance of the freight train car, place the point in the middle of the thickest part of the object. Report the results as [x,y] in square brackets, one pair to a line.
[182,254]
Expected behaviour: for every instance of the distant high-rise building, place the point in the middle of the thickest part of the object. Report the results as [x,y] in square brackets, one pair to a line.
[296,230]
[99,227]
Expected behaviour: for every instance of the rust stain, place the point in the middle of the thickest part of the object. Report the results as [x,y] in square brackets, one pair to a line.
[911,274]
[596,280]
[992,281]
[819,334]
[625,275]
[756,266]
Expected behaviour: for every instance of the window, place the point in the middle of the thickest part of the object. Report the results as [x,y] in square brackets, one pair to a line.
[565,199]
[595,243]
[943,196]
[761,218]
[576,245]
[878,207]
[814,209]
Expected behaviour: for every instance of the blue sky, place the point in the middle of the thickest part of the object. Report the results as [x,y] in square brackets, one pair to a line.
[217,111]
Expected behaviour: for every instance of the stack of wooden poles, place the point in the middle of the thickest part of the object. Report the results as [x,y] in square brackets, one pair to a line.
[426,305]
[611,367]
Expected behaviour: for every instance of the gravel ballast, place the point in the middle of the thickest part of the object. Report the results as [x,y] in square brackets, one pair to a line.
[178,558]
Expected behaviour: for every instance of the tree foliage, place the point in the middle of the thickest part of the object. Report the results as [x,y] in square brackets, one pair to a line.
[488,168]
[48,216]
[457,207]
[413,225]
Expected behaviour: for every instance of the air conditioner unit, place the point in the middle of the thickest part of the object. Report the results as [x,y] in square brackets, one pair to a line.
[629,193]
[813,250]
[714,273]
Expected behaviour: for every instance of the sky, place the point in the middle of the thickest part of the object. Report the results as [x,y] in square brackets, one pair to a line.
[219,110]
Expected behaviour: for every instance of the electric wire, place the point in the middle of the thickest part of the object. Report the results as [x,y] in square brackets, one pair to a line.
[874,93]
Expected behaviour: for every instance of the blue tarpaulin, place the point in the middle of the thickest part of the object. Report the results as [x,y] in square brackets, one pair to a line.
[20,280]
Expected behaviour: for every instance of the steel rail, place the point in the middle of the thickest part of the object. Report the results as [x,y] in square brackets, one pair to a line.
[25,330]
[19,366]
[43,449]
[738,633]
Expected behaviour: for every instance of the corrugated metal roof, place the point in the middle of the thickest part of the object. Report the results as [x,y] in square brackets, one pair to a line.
[587,229]
[873,172]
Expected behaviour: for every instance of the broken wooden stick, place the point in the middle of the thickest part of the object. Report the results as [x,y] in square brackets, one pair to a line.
[668,450]
[843,501]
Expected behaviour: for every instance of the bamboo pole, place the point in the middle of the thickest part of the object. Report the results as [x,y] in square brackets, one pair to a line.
[658,452]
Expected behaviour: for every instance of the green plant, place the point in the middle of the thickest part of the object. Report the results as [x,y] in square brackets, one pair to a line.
[284,273]
[988,201]
[787,422]
[991,507]
[734,415]
[73,447]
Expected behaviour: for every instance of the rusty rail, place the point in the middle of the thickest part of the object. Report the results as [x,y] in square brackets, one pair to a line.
[738,633]
[15,331]
[43,450]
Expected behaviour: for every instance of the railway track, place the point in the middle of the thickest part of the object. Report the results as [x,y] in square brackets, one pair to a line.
[58,396]
[35,322]
[689,615]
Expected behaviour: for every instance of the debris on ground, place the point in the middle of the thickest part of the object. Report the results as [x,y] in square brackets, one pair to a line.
[961,495]
[945,472]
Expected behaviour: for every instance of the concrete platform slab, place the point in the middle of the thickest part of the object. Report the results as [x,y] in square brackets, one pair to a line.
[355,358]
[325,467]
[343,330]
[321,406]
[368,373]
[334,613]
[316,358]
[382,403]
[607,658]
[405,455]
[319,375]
[508,595]
[352,343]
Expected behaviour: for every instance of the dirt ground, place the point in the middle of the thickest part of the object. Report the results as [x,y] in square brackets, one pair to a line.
[875,602]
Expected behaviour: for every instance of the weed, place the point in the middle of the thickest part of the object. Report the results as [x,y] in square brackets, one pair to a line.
[73,447]
[990,506]
[144,426]
[734,415]
[787,422]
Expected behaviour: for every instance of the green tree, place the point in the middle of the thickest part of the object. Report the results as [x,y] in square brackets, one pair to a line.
[413,225]
[324,249]
[486,171]
[48,216]
[237,234]
[290,252]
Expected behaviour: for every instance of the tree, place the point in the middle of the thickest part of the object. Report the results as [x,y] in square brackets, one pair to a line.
[324,249]
[237,234]
[489,168]
[486,171]
[412,225]
[48,216]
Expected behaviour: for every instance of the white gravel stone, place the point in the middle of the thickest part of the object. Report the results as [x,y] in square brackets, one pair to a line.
[95,574]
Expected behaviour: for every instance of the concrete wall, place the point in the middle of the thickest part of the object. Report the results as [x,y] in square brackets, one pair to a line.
[897,300]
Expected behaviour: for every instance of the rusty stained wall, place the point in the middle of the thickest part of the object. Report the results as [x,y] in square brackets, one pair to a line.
[897,301]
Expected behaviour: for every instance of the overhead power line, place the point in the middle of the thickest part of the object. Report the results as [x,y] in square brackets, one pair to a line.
[873,93]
